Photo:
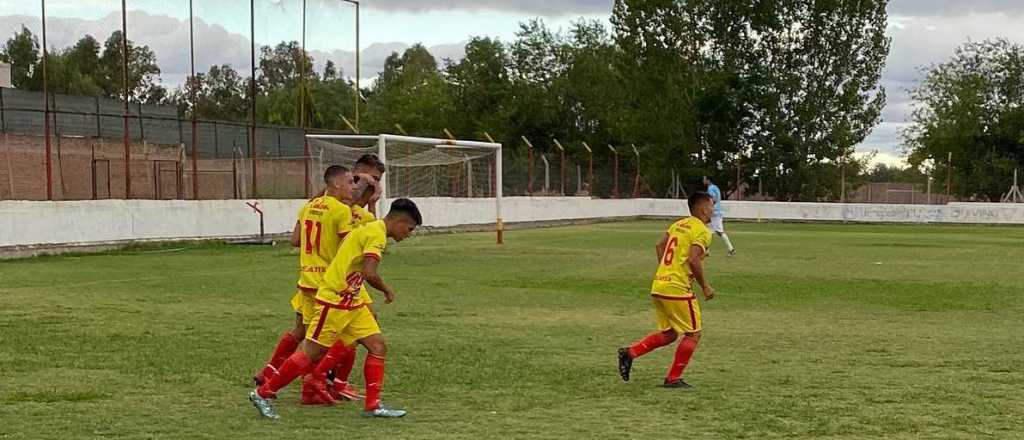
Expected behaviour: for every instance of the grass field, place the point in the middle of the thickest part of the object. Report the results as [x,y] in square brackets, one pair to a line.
[818,331]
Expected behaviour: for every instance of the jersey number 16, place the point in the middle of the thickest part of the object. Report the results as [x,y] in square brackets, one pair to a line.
[670,251]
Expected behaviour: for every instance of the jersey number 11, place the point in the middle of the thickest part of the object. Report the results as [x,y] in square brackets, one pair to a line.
[315,243]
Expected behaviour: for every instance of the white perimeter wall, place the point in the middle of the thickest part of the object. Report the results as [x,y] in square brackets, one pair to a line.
[27,223]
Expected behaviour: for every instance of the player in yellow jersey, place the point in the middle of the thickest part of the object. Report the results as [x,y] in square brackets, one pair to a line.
[368,165]
[342,314]
[322,223]
[680,253]
[369,168]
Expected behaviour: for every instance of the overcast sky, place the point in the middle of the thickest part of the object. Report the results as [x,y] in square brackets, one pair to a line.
[923,32]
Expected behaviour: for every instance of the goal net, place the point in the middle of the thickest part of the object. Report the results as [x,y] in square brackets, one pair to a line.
[419,167]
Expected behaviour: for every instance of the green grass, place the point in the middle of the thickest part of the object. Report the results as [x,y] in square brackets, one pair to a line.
[818,331]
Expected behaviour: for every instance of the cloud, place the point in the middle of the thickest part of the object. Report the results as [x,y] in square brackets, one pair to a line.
[538,7]
[921,41]
[882,158]
[168,38]
[954,7]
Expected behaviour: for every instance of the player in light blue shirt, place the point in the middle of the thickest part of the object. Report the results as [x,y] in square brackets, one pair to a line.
[718,215]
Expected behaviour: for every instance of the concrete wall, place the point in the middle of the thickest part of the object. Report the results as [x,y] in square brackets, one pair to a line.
[76,222]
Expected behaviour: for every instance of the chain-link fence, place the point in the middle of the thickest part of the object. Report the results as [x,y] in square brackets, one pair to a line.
[98,150]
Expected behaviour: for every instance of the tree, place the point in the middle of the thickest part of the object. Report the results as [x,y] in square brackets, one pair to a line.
[143,72]
[883,173]
[788,86]
[22,52]
[281,65]
[684,67]
[539,62]
[330,71]
[971,107]
[409,91]
[221,93]
[75,70]
[85,55]
[814,69]
[481,88]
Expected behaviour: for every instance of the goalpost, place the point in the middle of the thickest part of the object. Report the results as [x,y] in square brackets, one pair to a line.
[420,167]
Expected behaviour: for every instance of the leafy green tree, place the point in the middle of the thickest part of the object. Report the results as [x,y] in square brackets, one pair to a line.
[814,68]
[409,91]
[970,107]
[280,66]
[882,173]
[481,89]
[22,52]
[143,72]
[220,93]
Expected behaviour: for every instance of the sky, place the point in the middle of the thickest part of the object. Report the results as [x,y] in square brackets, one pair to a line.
[923,32]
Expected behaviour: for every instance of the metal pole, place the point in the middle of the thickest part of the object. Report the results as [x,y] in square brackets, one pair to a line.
[561,179]
[305,162]
[302,73]
[358,91]
[529,165]
[739,178]
[636,177]
[92,161]
[252,92]
[46,115]
[842,182]
[124,78]
[615,190]
[579,179]
[929,190]
[382,154]
[500,226]
[615,171]
[949,174]
[590,169]
[3,117]
[547,174]
[195,84]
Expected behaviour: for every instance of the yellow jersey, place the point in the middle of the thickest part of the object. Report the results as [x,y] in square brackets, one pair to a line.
[344,278]
[673,277]
[323,223]
[361,216]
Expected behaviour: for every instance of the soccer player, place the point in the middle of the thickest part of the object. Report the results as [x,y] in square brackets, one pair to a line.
[342,315]
[368,167]
[676,310]
[322,223]
[371,166]
[717,217]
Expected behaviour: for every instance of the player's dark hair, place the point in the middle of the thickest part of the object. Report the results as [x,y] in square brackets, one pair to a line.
[372,161]
[407,207]
[333,171]
[696,198]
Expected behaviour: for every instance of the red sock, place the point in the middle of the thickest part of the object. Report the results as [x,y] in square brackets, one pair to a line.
[345,363]
[296,365]
[649,343]
[373,372]
[334,354]
[683,353]
[285,347]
